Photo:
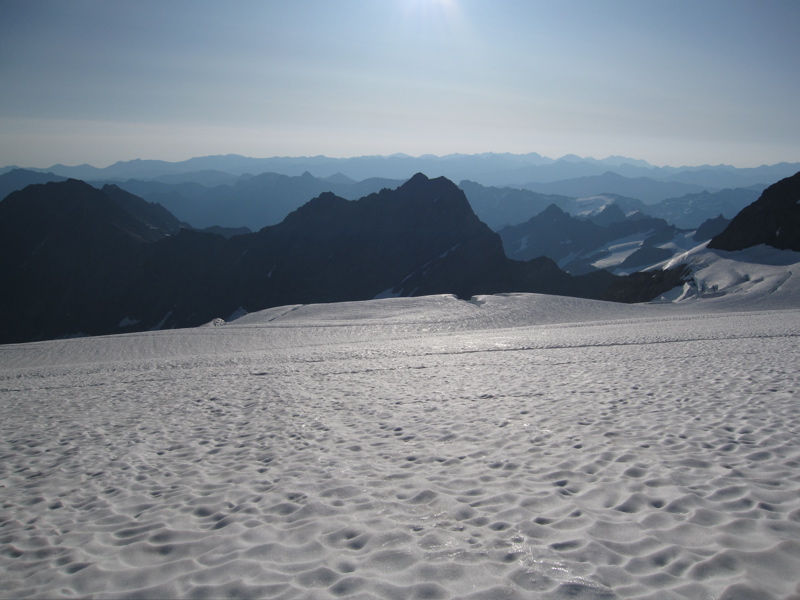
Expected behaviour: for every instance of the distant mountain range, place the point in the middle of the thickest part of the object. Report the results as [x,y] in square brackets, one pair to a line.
[609,240]
[126,255]
[256,201]
[492,169]
[646,189]
[501,207]
[80,260]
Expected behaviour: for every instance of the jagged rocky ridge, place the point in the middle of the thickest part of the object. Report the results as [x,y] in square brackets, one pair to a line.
[86,261]
[773,219]
[208,199]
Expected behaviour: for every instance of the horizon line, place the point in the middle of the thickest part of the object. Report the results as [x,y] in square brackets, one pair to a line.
[401,155]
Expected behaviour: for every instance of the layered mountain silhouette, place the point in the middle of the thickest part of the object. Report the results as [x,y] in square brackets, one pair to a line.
[773,219]
[494,169]
[689,211]
[583,245]
[16,179]
[206,199]
[83,261]
[211,198]
[501,207]
[645,189]
[252,201]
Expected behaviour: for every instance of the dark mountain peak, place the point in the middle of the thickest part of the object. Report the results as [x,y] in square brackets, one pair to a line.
[612,208]
[610,213]
[158,219]
[17,179]
[69,192]
[417,179]
[317,209]
[75,206]
[773,219]
[552,213]
[437,185]
[710,228]
[612,176]
[339,177]
[69,184]
[439,199]
[262,177]
[420,204]
[419,183]
[553,209]
[328,197]
[18,171]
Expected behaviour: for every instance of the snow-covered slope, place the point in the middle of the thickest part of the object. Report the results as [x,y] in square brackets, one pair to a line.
[516,446]
[758,278]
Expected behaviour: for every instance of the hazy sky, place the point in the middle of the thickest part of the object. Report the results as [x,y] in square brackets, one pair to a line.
[670,81]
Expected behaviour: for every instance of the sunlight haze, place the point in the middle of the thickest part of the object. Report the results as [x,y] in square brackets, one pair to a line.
[668,82]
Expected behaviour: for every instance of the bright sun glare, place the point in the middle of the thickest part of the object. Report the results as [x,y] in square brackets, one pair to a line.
[430,7]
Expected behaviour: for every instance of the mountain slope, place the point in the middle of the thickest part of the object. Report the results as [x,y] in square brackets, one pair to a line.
[67,249]
[773,219]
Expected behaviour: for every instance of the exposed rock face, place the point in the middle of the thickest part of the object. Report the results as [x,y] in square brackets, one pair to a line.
[773,219]
[66,252]
[333,249]
[155,216]
[88,261]
[709,228]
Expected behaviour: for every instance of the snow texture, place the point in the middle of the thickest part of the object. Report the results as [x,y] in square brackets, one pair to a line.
[512,446]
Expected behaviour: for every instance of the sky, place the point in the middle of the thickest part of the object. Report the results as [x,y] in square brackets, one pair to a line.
[673,82]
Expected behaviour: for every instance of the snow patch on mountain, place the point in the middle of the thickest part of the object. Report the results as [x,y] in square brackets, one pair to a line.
[763,276]
[615,252]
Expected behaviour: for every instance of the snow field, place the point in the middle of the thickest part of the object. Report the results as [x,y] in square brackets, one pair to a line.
[517,446]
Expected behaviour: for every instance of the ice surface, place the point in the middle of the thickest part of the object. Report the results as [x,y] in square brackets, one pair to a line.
[756,278]
[514,446]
